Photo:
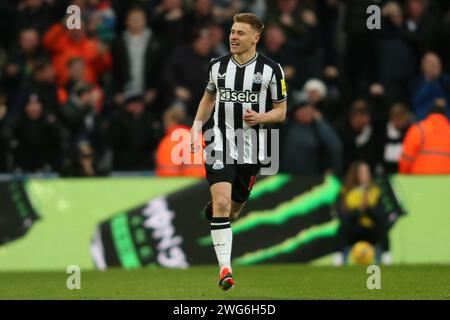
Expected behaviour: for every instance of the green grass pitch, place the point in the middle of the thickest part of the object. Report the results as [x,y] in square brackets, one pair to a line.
[278,281]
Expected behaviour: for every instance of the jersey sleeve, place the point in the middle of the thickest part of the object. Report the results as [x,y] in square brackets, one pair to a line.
[210,85]
[278,85]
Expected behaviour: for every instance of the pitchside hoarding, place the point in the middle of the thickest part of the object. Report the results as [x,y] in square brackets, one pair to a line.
[285,219]
[143,222]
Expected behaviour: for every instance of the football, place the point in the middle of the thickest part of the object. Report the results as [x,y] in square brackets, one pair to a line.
[362,253]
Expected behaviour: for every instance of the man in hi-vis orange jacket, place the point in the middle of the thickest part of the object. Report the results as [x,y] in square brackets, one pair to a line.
[426,148]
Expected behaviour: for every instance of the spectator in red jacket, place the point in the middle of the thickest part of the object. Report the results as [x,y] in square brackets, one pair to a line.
[64,45]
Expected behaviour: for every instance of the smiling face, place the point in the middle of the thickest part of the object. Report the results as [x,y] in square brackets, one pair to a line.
[242,38]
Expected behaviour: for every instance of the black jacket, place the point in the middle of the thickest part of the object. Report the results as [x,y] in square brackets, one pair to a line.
[35,144]
[310,148]
[133,140]
[152,63]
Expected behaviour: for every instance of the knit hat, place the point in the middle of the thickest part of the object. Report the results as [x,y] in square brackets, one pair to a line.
[316,84]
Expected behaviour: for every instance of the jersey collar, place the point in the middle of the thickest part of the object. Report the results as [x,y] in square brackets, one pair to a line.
[245,64]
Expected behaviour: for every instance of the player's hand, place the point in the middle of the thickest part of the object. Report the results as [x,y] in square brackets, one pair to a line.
[195,147]
[194,143]
[252,117]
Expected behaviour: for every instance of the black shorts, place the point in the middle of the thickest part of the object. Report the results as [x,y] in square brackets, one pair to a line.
[241,176]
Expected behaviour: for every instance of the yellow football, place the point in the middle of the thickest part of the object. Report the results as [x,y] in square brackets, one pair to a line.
[362,253]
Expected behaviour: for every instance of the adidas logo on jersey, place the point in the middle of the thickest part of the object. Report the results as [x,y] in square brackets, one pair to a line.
[228,95]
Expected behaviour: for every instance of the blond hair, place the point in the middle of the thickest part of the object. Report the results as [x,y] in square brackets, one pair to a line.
[251,19]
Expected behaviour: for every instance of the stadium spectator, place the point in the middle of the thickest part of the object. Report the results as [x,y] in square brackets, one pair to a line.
[3,143]
[177,132]
[276,46]
[121,9]
[360,47]
[379,102]
[400,119]
[43,84]
[218,45]
[396,57]
[186,70]
[224,10]
[327,16]
[420,27]
[443,41]
[137,59]
[169,19]
[426,147]
[37,14]
[360,137]
[23,58]
[101,19]
[64,45]
[258,7]
[86,160]
[201,14]
[316,93]
[338,94]
[82,162]
[35,137]
[146,47]
[307,133]
[8,14]
[300,25]
[78,113]
[76,78]
[431,85]
[285,13]
[133,136]
[361,214]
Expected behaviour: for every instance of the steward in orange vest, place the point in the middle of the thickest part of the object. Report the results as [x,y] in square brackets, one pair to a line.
[173,155]
[426,148]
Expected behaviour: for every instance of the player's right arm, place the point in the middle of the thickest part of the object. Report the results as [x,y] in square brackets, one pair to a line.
[205,108]
[204,111]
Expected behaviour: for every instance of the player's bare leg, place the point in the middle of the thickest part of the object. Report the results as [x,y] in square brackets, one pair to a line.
[236,208]
[221,233]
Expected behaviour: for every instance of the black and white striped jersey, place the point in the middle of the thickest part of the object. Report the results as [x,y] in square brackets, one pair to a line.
[253,85]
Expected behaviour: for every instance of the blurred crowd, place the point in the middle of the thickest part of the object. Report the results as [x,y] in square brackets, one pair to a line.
[102,98]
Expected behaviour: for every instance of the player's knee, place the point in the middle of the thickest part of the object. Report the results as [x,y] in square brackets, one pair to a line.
[221,207]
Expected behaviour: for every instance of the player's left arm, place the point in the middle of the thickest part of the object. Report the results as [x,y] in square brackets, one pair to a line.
[278,93]
[277,114]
